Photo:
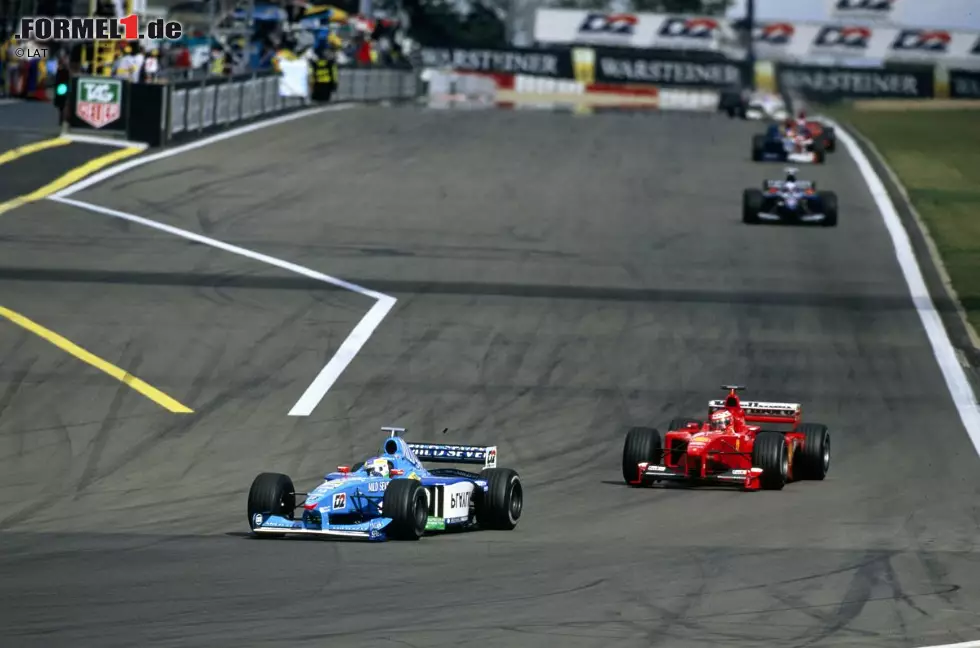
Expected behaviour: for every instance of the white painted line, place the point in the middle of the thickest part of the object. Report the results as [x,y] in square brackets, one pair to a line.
[965,644]
[177,150]
[355,340]
[221,245]
[105,141]
[942,348]
[348,349]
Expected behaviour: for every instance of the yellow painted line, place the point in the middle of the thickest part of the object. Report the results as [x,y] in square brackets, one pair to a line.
[71,177]
[125,377]
[33,147]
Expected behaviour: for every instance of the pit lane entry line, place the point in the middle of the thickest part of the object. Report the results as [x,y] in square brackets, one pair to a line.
[121,375]
[351,345]
[71,177]
[956,381]
[33,147]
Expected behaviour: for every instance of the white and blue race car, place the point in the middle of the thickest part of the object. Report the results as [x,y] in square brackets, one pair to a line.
[790,200]
[392,495]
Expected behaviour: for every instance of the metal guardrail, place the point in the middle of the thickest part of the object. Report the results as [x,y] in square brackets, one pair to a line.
[198,106]
[162,113]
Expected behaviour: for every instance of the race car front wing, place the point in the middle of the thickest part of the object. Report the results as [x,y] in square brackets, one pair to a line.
[274,524]
[798,218]
[749,479]
[808,157]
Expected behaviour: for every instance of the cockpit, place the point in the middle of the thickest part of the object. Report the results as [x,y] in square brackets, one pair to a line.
[379,467]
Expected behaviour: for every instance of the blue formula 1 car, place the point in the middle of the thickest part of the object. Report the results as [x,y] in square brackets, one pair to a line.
[392,495]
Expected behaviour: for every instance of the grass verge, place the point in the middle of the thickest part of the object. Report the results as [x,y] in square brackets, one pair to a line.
[936,155]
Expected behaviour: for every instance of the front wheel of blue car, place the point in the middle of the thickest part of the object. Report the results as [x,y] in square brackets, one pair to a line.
[406,504]
[501,505]
[271,494]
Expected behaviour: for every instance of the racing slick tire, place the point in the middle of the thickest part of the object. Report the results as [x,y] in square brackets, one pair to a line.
[812,461]
[642,445]
[501,505]
[830,139]
[751,206]
[828,200]
[769,452]
[405,502]
[819,152]
[758,147]
[271,494]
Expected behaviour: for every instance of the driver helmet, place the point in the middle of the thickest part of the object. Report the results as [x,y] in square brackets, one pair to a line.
[721,420]
[377,467]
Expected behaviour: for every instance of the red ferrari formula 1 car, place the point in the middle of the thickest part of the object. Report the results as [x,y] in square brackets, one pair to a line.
[729,449]
[816,131]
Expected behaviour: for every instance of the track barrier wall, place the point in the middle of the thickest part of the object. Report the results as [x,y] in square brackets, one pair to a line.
[161,114]
[701,77]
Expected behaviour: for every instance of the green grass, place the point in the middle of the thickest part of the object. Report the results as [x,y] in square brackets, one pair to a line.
[936,154]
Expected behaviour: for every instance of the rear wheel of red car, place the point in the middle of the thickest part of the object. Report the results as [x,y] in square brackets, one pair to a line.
[406,504]
[812,461]
[642,445]
[769,453]
[830,137]
[819,152]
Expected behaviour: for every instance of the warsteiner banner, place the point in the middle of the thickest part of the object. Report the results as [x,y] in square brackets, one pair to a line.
[556,63]
[831,83]
[638,68]
[964,84]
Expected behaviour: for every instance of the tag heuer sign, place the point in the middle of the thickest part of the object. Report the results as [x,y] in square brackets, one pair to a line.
[99,101]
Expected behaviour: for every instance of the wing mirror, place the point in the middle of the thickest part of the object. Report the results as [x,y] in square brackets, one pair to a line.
[396,472]
[343,469]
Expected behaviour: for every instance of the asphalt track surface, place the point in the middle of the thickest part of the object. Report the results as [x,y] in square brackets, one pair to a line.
[22,122]
[28,173]
[559,279]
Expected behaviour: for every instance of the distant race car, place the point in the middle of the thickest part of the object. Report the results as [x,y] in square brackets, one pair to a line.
[392,495]
[757,105]
[792,146]
[826,134]
[789,201]
[727,449]
[814,129]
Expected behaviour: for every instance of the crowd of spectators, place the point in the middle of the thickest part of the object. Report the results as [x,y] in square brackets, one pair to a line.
[351,41]
[354,41]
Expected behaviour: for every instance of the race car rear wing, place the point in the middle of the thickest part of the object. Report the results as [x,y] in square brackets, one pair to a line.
[765,412]
[460,454]
[802,185]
